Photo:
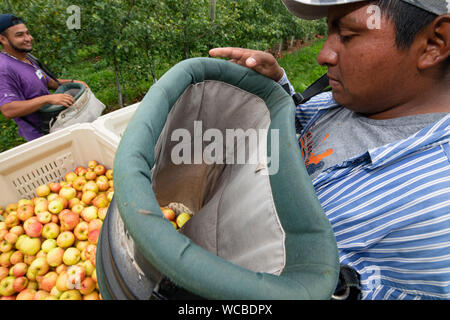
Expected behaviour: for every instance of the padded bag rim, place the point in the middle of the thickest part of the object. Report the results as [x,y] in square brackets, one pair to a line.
[306,276]
[61,89]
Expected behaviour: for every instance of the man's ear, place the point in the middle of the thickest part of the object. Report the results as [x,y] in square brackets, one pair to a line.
[436,49]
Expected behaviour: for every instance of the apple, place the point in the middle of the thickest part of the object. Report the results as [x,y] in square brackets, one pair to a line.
[90,186]
[79,183]
[70,295]
[33,285]
[38,267]
[41,295]
[20,283]
[41,206]
[88,252]
[88,267]
[26,211]
[168,213]
[5,259]
[55,257]
[7,286]
[62,282]
[91,296]
[72,202]
[56,206]
[70,176]
[54,187]
[88,196]
[61,268]
[3,225]
[16,257]
[48,245]
[11,207]
[101,213]
[65,239]
[30,246]
[28,259]
[89,213]
[81,230]
[43,190]
[92,255]
[69,220]
[92,164]
[78,208]
[11,237]
[174,224]
[99,169]
[182,218]
[90,175]
[110,195]
[19,270]
[71,256]
[26,294]
[24,201]
[68,193]
[49,281]
[33,227]
[95,224]
[41,254]
[3,233]
[109,174]
[50,230]
[54,291]
[5,246]
[52,196]
[80,170]
[44,217]
[102,184]
[81,244]
[55,218]
[4,272]
[93,236]
[94,275]
[12,298]
[76,275]
[100,201]
[12,220]
[17,230]
[87,286]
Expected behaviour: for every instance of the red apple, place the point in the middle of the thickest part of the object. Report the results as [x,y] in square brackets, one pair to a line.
[49,281]
[109,174]
[11,238]
[11,207]
[70,176]
[102,184]
[19,269]
[26,294]
[100,201]
[5,246]
[41,206]
[4,271]
[41,295]
[81,230]
[16,257]
[17,230]
[92,164]
[44,217]
[89,213]
[90,175]
[26,211]
[54,187]
[87,286]
[55,257]
[88,196]
[12,220]
[168,213]
[69,220]
[101,213]
[93,236]
[80,170]
[79,183]
[32,227]
[99,169]
[20,283]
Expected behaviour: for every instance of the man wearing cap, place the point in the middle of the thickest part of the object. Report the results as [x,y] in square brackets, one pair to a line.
[24,87]
[377,147]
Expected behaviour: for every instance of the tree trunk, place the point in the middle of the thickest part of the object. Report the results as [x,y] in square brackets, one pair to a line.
[118,86]
[212,10]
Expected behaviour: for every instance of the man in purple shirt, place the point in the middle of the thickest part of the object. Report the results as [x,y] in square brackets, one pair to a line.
[24,87]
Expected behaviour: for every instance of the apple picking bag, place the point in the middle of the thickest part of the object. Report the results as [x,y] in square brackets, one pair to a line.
[258,230]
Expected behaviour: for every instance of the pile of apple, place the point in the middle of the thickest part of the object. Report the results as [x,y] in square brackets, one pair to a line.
[177,217]
[48,243]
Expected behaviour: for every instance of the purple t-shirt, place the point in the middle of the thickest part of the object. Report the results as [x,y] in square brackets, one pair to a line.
[20,81]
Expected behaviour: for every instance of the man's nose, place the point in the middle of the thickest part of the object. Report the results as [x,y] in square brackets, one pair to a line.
[328,55]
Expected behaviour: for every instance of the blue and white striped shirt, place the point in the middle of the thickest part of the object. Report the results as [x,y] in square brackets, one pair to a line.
[390,210]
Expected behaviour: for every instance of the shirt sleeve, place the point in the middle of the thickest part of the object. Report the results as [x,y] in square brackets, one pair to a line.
[9,91]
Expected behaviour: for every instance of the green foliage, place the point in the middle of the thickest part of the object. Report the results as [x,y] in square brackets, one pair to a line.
[123,46]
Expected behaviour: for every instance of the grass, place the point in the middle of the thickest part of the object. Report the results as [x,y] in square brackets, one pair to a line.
[301,67]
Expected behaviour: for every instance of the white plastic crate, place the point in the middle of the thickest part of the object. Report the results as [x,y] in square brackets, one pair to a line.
[114,123]
[49,158]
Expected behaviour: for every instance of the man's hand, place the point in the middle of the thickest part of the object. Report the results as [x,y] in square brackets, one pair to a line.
[260,61]
[62,99]
[82,82]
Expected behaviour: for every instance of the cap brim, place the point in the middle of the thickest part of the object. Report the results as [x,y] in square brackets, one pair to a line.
[312,9]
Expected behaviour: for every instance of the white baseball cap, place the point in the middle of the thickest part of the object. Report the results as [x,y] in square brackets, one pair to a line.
[315,9]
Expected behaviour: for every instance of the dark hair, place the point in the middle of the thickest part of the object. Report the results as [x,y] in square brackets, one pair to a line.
[409,20]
